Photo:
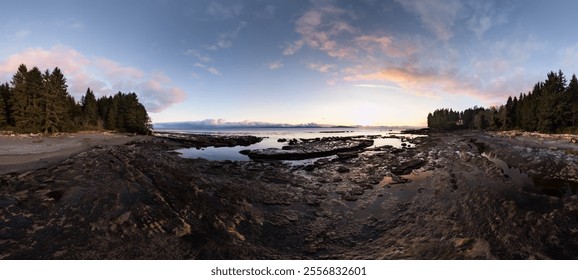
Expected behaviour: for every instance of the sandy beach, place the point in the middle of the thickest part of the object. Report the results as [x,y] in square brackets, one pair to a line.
[22,152]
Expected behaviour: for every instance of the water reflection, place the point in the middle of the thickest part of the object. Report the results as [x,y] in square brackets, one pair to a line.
[551,187]
[273,140]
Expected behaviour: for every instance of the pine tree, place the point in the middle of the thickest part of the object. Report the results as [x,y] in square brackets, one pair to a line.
[19,96]
[112,114]
[572,92]
[35,90]
[4,112]
[40,102]
[89,109]
[56,113]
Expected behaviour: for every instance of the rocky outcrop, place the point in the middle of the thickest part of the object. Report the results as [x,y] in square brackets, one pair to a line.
[310,149]
[440,200]
[207,140]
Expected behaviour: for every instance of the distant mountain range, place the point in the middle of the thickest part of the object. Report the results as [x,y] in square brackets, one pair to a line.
[212,124]
[220,124]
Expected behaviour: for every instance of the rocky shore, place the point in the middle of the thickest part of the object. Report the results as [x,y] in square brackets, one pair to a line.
[447,197]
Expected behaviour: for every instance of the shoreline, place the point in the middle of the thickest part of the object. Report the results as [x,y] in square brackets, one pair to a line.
[443,199]
[28,152]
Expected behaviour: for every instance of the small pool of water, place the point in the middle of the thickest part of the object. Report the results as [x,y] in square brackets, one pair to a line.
[551,187]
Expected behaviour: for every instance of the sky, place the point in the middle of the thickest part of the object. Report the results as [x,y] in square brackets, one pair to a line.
[341,62]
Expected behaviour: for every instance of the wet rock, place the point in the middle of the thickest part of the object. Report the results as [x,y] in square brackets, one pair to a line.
[349,197]
[309,167]
[407,166]
[356,191]
[310,149]
[202,141]
[342,169]
[141,201]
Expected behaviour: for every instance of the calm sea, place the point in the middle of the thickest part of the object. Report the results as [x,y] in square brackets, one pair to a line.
[272,135]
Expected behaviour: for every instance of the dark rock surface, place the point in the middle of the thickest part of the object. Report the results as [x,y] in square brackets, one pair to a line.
[207,140]
[310,149]
[441,200]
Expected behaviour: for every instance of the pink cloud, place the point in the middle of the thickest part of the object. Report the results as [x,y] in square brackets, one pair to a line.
[112,68]
[323,68]
[103,76]
[319,28]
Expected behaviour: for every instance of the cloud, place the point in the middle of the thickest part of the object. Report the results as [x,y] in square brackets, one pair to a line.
[71,24]
[436,15]
[495,73]
[103,76]
[267,12]
[275,65]
[385,45]
[224,11]
[413,62]
[110,68]
[294,47]
[209,69]
[414,81]
[323,68]
[379,86]
[202,62]
[225,40]
[198,55]
[319,28]
[483,15]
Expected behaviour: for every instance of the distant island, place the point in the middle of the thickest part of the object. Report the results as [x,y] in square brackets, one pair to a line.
[211,124]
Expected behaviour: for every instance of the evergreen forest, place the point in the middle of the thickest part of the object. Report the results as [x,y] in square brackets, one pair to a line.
[551,107]
[39,102]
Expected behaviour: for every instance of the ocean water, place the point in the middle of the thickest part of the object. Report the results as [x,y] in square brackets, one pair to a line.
[272,135]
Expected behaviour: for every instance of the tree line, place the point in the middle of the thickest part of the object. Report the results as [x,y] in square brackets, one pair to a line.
[551,107]
[39,102]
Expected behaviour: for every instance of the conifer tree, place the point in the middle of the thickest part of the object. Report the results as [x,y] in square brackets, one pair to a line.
[89,109]
[56,113]
[40,102]
[19,96]
[572,92]
[4,111]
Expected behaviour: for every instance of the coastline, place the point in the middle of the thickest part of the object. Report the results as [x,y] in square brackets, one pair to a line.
[442,199]
[28,152]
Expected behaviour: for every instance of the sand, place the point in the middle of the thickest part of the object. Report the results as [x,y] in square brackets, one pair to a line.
[20,153]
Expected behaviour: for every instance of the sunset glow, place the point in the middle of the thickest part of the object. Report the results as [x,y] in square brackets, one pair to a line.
[322,61]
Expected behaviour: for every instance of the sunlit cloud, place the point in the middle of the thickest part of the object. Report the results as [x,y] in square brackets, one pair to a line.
[319,29]
[293,47]
[110,68]
[378,86]
[103,76]
[323,68]
[413,63]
